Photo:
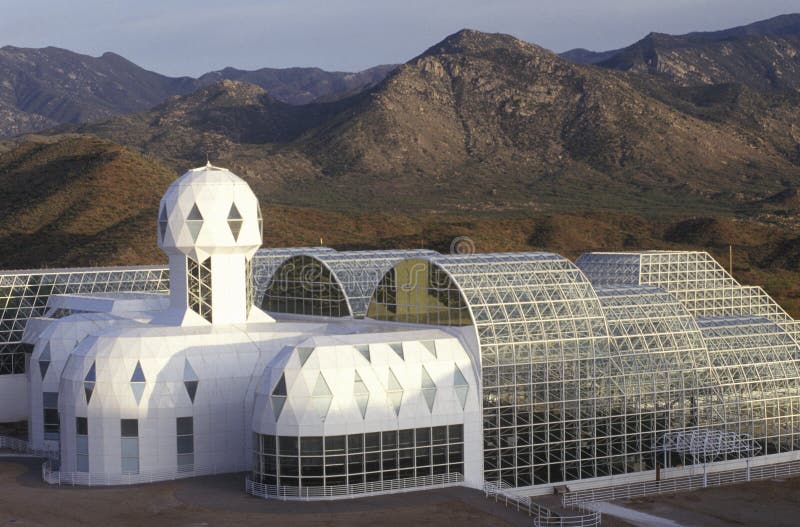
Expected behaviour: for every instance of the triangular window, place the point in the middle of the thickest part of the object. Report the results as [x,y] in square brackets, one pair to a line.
[194,221]
[430,346]
[303,354]
[235,221]
[363,349]
[398,348]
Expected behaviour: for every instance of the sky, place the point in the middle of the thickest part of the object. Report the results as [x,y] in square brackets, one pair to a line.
[191,37]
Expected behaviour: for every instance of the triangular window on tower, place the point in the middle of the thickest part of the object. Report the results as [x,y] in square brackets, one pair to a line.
[235,221]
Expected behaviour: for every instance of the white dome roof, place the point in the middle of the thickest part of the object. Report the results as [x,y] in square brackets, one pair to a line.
[209,210]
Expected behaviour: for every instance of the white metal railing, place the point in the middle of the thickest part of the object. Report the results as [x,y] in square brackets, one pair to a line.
[543,517]
[52,475]
[393,486]
[682,483]
[24,447]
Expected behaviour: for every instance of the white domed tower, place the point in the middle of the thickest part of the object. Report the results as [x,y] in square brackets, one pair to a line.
[210,225]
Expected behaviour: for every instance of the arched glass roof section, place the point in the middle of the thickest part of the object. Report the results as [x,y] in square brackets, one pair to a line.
[330,283]
[267,260]
[757,365]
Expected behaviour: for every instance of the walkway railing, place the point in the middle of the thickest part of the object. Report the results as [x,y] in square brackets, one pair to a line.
[352,491]
[24,447]
[542,516]
[52,475]
[682,483]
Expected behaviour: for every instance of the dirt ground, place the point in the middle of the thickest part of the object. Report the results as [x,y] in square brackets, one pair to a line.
[774,503]
[220,500]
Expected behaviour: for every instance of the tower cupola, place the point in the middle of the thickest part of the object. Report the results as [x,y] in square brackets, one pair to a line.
[210,226]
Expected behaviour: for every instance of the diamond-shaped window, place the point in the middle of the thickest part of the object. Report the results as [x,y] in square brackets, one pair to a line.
[361,394]
[195,222]
[88,383]
[278,397]
[428,388]
[260,221]
[235,221]
[163,222]
[44,360]
[138,382]
[461,386]
[394,391]
[190,380]
[322,397]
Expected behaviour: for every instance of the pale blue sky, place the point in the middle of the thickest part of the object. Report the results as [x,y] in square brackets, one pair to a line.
[190,37]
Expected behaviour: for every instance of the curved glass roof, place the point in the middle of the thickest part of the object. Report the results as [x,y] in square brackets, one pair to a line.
[330,283]
[757,365]
[267,260]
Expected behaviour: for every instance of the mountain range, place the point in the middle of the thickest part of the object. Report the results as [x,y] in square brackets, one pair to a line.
[40,88]
[672,142]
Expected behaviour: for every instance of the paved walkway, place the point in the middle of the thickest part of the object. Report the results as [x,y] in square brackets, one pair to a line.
[640,519]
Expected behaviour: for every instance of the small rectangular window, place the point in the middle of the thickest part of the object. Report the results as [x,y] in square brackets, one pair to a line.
[81,426]
[185,441]
[81,444]
[129,427]
[129,430]
[51,420]
[456,433]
